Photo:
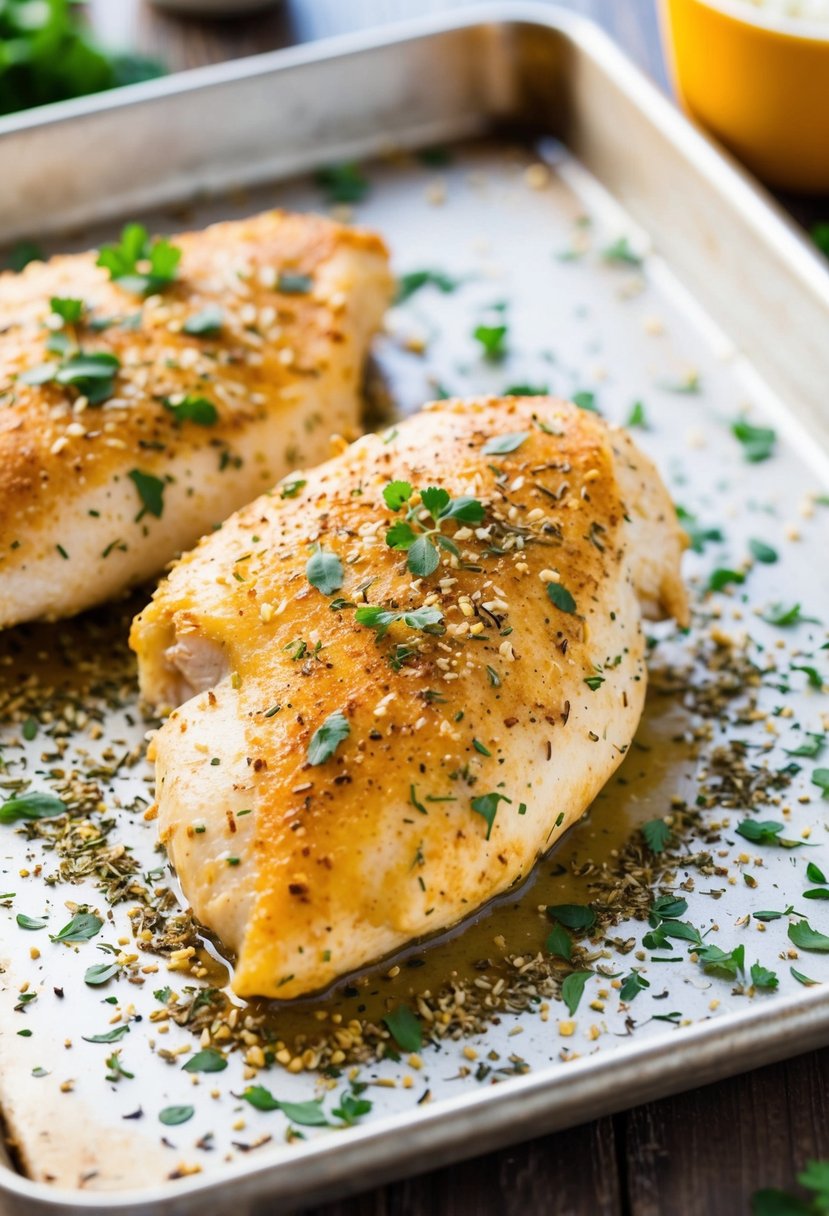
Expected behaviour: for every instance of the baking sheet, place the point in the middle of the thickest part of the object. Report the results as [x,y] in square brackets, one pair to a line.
[576,324]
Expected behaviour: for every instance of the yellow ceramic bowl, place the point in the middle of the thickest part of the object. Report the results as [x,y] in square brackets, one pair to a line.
[760,84]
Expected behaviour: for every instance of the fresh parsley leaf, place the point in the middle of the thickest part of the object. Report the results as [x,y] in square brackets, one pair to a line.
[501,445]
[779,614]
[351,1108]
[91,375]
[812,747]
[69,310]
[396,494]
[294,284]
[401,535]
[761,552]
[493,339]
[632,985]
[381,619]
[192,408]
[560,597]
[813,676]
[261,1098]
[621,253]
[760,831]
[720,578]
[150,491]
[344,183]
[328,737]
[763,978]
[206,323]
[757,441]
[81,928]
[814,873]
[207,1060]
[817,893]
[802,935]
[715,961]
[586,400]
[667,907]
[31,805]
[410,283]
[486,805]
[698,534]
[324,570]
[125,261]
[99,973]
[171,1116]
[435,500]
[464,508]
[578,917]
[572,989]
[803,979]
[638,417]
[657,834]
[290,489]
[423,557]
[559,943]
[117,1072]
[109,1036]
[307,1114]
[405,1028]
[594,683]
[526,390]
[820,778]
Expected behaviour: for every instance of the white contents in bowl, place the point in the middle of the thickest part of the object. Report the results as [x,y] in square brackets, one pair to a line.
[807,10]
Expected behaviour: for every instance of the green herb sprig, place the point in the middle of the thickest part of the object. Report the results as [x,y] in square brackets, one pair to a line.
[414,535]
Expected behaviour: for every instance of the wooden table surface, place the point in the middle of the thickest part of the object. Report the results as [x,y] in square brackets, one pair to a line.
[702,1153]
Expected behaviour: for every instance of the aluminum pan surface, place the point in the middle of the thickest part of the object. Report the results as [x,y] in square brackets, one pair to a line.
[509,235]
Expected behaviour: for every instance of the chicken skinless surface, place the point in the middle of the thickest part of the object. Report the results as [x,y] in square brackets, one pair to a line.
[338,782]
[132,423]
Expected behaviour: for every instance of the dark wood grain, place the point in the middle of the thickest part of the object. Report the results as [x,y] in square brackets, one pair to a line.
[574,1173]
[706,1151]
[700,1154]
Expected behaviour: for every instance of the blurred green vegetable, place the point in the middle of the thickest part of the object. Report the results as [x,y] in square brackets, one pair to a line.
[47,55]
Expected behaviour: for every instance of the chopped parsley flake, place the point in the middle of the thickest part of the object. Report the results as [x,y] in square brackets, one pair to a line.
[150,491]
[561,597]
[757,441]
[138,264]
[192,408]
[486,805]
[324,571]
[328,737]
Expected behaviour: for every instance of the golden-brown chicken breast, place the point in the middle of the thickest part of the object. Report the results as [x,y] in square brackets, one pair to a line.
[137,412]
[405,682]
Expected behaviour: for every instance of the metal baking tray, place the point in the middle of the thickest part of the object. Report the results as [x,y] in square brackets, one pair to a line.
[546,123]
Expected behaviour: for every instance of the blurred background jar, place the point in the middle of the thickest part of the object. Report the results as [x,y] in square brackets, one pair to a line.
[215,8]
[755,73]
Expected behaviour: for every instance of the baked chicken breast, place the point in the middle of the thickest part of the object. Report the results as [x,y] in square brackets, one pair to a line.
[403,680]
[137,412]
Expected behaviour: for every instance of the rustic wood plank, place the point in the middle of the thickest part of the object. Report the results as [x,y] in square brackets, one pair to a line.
[572,1173]
[708,1150]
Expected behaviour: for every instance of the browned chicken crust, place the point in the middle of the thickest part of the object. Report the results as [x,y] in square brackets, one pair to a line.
[298,298]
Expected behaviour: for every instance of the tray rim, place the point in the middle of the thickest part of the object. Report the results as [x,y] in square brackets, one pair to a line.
[517,1108]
